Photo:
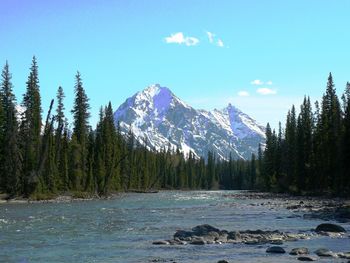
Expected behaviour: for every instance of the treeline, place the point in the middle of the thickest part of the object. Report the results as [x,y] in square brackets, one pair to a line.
[312,153]
[42,157]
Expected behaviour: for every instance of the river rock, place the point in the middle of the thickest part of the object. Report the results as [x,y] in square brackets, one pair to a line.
[197,241]
[344,255]
[276,249]
[202,230]
[307,258]
[324,252]
[183,235]
[299,251]
[207,234]
[234,235]
[327,227]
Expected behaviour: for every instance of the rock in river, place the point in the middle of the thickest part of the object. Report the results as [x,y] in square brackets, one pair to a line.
[202,230]
[276,249]
[307,258]
[324,252]
[197,241]
[207,234]
[327,227]
[299,251]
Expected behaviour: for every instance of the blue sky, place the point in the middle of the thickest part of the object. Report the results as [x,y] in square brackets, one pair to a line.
[262,56]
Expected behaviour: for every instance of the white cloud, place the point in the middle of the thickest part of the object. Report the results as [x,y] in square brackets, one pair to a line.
[179,38]
[269,82]
[257,82]
[212,39]
[210,36]
[266,91]
[243,93]
[220,43]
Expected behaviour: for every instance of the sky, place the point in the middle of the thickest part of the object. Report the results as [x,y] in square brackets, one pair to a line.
[261,56]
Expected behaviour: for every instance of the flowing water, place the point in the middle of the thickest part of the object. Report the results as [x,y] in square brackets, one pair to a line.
[122,229]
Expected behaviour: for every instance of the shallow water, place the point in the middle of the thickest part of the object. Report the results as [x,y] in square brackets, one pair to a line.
[122,230]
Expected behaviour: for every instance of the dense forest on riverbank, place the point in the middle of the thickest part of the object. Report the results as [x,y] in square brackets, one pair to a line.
[39,157]
[312,153]
[43,157]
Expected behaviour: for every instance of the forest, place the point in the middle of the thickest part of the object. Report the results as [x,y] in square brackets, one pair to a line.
[42,156]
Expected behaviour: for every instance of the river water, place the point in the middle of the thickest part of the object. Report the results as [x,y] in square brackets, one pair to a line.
[122,229]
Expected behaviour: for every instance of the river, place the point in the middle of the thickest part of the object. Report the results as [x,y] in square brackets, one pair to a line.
[122,229]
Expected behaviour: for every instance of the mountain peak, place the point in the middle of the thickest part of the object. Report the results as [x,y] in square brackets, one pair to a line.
[155,89]
[164,120]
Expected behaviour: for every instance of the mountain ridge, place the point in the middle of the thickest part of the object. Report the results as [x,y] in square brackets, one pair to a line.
[164,120]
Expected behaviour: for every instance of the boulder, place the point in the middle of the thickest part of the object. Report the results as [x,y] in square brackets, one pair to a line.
[275,249]
[202,230]
[197,241]
[183,234]
[234,235]
[327,227]
[299,251]
[324,252]
[222,237]
[345,255]
[222,261]
[307,258]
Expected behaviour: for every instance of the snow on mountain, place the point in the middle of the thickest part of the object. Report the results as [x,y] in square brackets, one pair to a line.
[157,115]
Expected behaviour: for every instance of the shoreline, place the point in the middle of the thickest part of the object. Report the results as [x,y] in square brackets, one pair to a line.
[60,198]
[290,199]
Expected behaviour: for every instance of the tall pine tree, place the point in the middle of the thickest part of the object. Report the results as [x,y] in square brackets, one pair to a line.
[30,130]
[81,129]
[11,161]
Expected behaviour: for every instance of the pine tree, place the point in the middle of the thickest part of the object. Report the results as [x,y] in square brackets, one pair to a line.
[81,128]
[252,179]
[30,130]
[211,170]
[291,150]
[330,139]
[60,119]
[2,135]
[109,141]
[261,167]
[269,156]
[11,161]
[63,163]
[304,144]
[345,155]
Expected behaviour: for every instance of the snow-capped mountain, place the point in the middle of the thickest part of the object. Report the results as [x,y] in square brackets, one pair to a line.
[157,115]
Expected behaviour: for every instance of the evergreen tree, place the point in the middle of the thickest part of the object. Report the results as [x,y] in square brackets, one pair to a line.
[30,130]
[269,158]
[81,129]
[304,144]
[291,149]
[9,148]
[345,155]
[261,168]
[252,178]
[330,139]
[60,119]
[2,135]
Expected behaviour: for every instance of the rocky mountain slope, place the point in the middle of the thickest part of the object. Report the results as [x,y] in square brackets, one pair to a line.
[157,115]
